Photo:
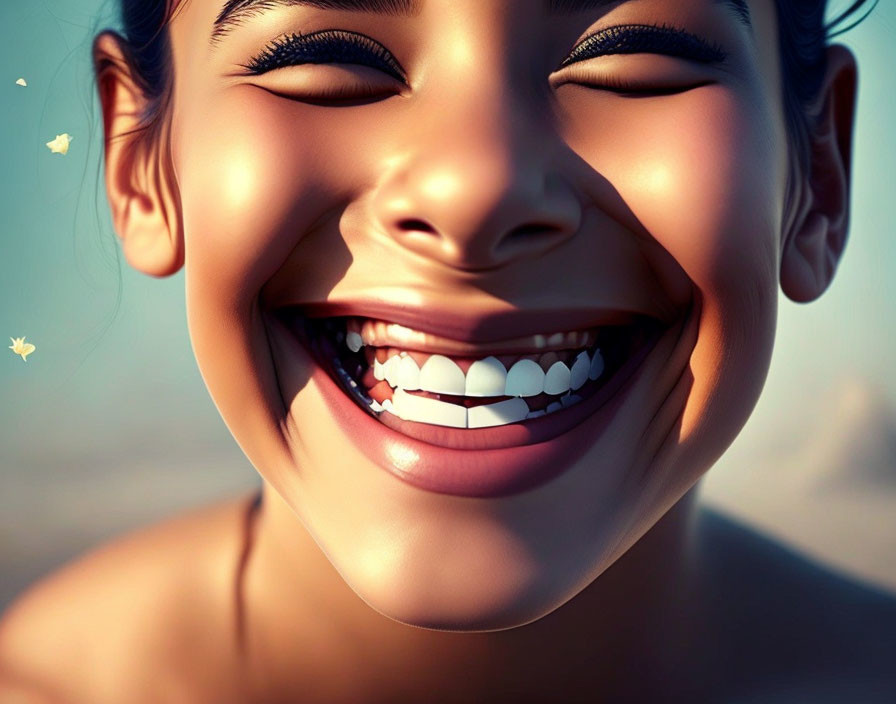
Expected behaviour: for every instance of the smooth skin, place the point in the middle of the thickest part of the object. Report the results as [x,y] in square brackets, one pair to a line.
[347,585]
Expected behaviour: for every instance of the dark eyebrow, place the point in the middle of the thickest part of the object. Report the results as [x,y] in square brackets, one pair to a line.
[234,11]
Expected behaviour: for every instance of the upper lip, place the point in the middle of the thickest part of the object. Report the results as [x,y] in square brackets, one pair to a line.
[475,326]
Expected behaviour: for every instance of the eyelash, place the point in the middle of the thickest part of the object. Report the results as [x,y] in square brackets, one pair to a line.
[614,84]
[653,38]
[327,46]
[339,46]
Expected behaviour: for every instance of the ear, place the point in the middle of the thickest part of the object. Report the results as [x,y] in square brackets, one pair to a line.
[140,180]
[817,235]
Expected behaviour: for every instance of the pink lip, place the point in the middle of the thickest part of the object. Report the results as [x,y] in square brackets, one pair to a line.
[460,323]
[490,462]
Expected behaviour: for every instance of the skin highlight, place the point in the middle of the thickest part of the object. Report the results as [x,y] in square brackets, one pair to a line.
[479,144]
[531,189]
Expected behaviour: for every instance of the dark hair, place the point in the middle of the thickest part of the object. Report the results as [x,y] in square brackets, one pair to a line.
[802,37]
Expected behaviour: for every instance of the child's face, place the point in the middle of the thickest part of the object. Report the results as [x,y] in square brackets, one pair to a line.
[485,183]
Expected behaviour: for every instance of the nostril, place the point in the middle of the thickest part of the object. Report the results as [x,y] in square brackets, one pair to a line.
[534,229]
[413,225]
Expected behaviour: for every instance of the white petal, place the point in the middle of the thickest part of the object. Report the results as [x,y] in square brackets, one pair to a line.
[486,377]
[510,411]
[556,381]
[442,376]
[429,410]
[525,378]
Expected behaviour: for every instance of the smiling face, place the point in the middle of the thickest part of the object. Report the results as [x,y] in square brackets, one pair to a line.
[478,284]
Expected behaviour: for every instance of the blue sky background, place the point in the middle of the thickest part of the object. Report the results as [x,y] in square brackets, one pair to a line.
[108,424]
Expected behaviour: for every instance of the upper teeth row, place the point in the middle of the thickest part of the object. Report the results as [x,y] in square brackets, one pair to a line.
[488,377]
[382,334]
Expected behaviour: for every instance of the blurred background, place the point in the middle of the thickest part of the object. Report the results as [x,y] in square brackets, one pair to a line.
[108,426]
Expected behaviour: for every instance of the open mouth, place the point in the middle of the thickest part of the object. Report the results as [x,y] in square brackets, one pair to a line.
[396,374]
[472,407]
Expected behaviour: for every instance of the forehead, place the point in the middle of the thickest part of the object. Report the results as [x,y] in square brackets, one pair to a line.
[223,12]
[234,9]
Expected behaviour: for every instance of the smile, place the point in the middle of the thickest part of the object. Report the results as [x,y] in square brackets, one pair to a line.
[389,369]
[460,431]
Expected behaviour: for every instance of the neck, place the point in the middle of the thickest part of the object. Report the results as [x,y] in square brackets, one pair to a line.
[297,603]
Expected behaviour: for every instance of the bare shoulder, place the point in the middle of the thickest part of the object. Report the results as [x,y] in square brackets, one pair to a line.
[138,605]
[790,627]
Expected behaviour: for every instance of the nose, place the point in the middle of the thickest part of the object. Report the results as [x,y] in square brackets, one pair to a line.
[477,188]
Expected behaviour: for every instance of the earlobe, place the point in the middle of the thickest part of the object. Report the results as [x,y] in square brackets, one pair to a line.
[140,183]
[817,236]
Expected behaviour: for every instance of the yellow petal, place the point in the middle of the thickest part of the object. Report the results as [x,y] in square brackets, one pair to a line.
[60,144]
[20,347]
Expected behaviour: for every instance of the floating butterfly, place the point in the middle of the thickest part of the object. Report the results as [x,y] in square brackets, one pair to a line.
[21,82]
[20,347]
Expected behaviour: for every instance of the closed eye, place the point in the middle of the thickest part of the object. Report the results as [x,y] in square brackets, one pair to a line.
[646,39]
[687,55]
[330,46]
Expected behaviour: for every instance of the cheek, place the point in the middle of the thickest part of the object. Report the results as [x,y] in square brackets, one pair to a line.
[697,173]
[252,187]
[700,174]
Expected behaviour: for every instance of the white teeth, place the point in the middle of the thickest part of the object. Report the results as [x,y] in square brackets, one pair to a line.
[429,410]
[535,414]
[510,411]
[375,407]
[525,378]
[486,377]
[441,375]
[555,406]
[391,370]
[408,374]
[579,372]
[353,341]
[570,400]
[597,366]
[556,381]
[387,406]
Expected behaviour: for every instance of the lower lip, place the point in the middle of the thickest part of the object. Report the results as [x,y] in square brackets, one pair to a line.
[485,463]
